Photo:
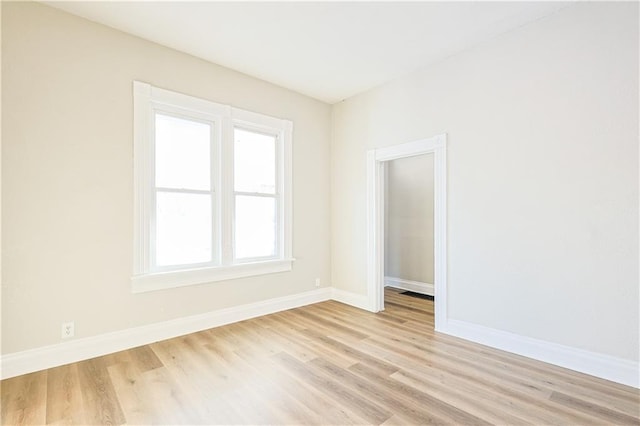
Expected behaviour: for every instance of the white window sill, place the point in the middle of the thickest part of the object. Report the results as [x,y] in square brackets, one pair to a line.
[173,279]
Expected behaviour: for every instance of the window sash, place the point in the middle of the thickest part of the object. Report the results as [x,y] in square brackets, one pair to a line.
[276,230]
[153,230]
[214,157]
[223,120]
[276,195]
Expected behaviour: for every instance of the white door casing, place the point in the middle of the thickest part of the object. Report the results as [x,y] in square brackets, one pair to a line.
[376,164]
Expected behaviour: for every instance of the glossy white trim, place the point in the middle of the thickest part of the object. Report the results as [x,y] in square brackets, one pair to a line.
[604,366]
[24,362]
[141,100]
[164,280]
[376,159]
[222,266]
[409,285]
[351,299]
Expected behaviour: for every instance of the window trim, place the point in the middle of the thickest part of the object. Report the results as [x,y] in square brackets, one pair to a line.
[224,118]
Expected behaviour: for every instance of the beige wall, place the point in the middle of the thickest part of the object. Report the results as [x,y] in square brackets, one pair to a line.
[408,252]
[67,170]
[542,128]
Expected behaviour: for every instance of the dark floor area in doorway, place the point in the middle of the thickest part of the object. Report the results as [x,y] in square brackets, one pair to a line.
[418,295]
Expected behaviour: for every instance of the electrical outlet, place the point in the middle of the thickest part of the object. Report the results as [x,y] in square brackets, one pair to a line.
[317,282]
[68,329]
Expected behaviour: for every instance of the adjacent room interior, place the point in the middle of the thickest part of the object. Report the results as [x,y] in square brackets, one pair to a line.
[408,224]
[211,212]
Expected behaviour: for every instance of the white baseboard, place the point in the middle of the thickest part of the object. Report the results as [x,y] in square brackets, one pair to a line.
[408,285]
[18,363]
[352,299]
[604,366]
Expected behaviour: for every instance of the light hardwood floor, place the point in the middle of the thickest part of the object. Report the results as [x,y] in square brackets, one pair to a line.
[324,364]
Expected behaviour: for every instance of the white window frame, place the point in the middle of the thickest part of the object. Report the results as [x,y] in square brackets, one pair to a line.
[223,118]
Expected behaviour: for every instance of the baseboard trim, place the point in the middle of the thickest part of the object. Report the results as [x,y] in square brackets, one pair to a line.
[408,285]
[28,361]
[603,366]
[351,299]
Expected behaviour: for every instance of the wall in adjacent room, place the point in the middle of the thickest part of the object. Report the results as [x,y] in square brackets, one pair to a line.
[67,178]
[542,126]
[408,251]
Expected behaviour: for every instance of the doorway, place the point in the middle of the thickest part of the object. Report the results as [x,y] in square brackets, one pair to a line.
[408,226]
[377,164]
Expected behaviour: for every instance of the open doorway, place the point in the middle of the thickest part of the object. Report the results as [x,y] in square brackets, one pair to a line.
[408,227]
[377,165]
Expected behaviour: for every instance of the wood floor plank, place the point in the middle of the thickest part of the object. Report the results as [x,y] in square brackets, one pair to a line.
[171,403]
[610,416]
[144,358]
[335,390]
[488,381]
[379,395]
[334,326]
[434,405]
[25,399]
[323,364]
[64,396]
[350,351]
[127,383]
[98,395]
[306,393]
[262,399]
[323,327]
[149,395]
[492,409]
[278,387]
[625,403]
[306,348]
[208,387]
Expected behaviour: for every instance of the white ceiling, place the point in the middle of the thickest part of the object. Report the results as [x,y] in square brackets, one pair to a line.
[327,50]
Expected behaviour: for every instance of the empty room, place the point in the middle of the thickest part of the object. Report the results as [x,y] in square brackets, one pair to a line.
[320,213]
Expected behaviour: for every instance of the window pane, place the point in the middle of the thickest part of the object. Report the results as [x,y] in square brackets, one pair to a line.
[255,227]
[183,228]
[182,153]
[254,162]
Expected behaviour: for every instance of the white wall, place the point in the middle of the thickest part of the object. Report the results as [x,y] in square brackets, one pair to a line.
[409,219]
[542,128]
[67,164]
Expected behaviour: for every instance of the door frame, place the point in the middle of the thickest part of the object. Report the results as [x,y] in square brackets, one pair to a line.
[376,169]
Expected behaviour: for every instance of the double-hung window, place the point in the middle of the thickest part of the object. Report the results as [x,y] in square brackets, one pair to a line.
[212,191]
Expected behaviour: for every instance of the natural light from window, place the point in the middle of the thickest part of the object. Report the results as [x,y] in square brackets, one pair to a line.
[183,157]
[255,190]
[183,197]
[212,193]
